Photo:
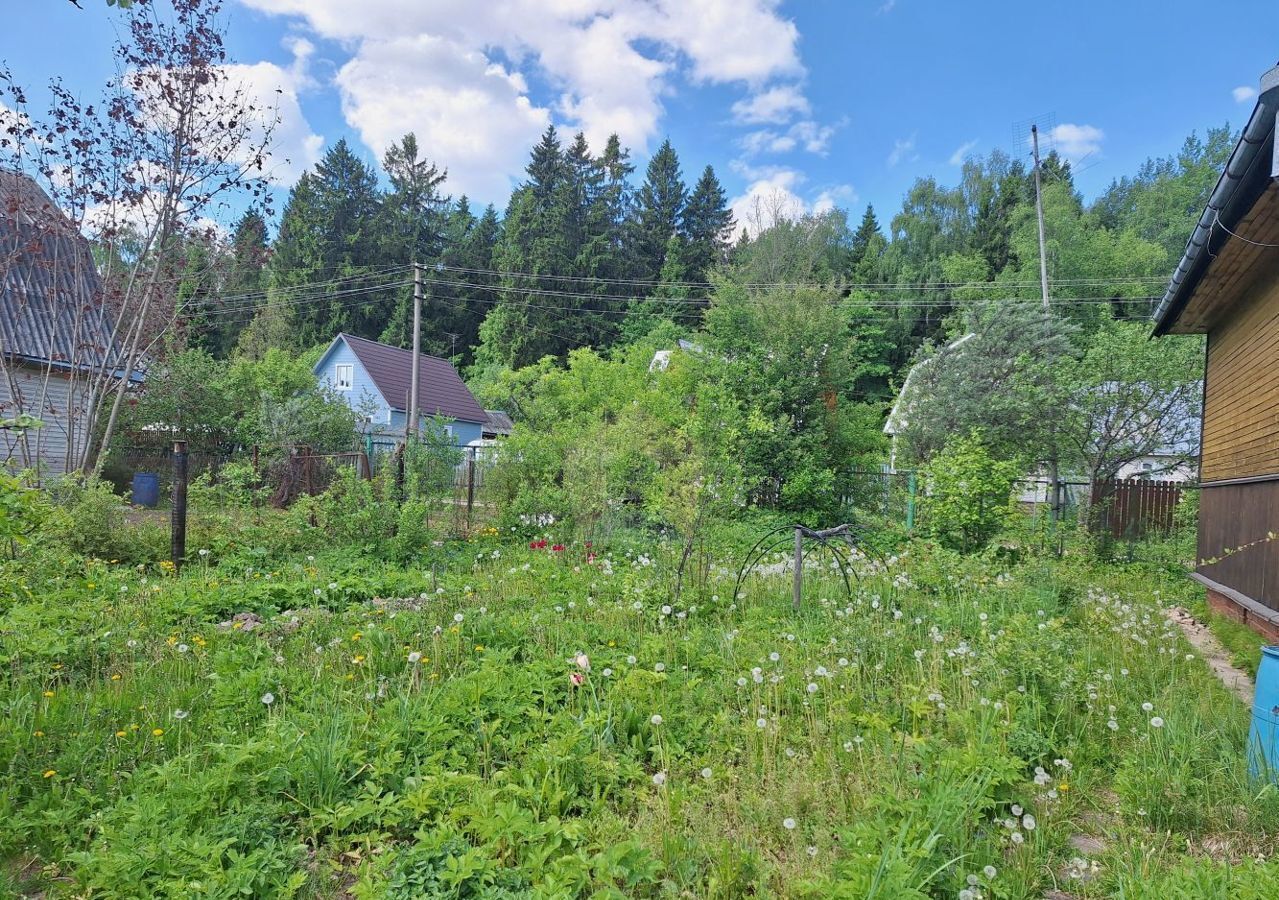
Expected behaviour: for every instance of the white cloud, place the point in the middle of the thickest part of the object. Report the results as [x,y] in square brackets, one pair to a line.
[773,195]
[294,146]
[458,71]
[806,134]
[775,106]
[840,195]
[903,150]
[961,152]
[887,7]
[1244,93]
[469,114]
[1074,142]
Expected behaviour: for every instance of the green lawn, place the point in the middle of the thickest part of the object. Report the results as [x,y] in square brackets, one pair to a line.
[516,722]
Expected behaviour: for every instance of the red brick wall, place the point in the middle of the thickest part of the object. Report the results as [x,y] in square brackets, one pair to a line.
[1232,610]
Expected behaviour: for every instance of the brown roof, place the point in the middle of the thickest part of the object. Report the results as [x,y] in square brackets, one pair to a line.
[441,390]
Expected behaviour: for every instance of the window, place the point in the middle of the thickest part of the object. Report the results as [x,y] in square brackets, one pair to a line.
[344,377]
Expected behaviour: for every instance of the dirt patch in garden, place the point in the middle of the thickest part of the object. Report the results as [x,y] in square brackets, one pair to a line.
[1213,652]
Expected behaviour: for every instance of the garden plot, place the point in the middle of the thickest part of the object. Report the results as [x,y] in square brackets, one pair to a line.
[533,721]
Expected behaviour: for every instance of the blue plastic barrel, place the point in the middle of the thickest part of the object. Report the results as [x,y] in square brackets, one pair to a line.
[1263,740]
[146,489]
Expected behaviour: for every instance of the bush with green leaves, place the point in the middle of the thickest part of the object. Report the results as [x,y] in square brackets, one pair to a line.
[967,494]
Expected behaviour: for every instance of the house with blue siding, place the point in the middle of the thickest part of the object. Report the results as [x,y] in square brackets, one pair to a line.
[374,379]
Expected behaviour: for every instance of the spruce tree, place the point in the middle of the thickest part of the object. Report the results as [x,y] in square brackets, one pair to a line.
[708,227]
[659,211]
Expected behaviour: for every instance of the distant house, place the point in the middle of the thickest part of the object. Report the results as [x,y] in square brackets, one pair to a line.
[374,379]
[57,355]
[1227,287]
[497,425]
[662,358]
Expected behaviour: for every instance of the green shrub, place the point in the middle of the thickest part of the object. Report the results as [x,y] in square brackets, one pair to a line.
[968,494]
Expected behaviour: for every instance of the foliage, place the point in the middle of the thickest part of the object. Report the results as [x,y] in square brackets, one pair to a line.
[1132,397]
[1000,376]
[493,719]
[968,493]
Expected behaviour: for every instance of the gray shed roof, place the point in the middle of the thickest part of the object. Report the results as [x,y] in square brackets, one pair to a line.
[51,309]
[441,391]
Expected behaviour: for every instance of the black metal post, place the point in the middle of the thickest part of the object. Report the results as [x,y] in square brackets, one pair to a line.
[178,513]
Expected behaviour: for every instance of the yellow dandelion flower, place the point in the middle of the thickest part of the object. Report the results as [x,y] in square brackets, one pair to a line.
[479,648]
[57,666]
[121,733]
[115,677]
[1064,786]
[158,732]
[38,733]
[357,659]
[49,773]
[357,636]
[48,693]
[350,677]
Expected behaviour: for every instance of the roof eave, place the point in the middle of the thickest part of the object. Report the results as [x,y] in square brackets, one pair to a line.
[1241,183]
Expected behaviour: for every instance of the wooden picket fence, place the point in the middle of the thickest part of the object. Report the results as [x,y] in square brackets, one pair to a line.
[1132,508]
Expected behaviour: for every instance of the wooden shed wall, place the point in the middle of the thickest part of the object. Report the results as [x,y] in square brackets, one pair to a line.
[1238,517]
[58,403]
[1241,399]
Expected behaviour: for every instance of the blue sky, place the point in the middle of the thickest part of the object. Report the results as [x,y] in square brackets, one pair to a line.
[814,102]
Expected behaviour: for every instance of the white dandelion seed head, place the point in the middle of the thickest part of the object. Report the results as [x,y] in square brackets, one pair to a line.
[659,779]
[268,698]
[1157,722]
[656,719]
[789,823]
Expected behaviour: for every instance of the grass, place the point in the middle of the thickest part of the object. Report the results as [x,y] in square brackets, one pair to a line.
[1241,642]
[514,722]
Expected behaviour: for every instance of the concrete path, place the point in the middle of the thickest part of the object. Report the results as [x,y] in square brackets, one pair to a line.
[1214,653]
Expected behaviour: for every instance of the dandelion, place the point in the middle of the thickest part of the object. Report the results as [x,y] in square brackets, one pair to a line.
[115,677]
[49,773]
[130,643]
[761,722]
[157,732]
[990,872]
[706,773]
[1157,722]
[774,656]
[458,617]
[1028,822]
[660,667]
[666,610]
[630,660]
[180,714]
[183,648]
[48,693]
[1148,707]
[415,657]
[1018,837]
[656,719]
[848,746]
[608,673]
[1016,809]
[268,698]
[741,682]
[659,779]
[812,687]
[811,851]
[789,824]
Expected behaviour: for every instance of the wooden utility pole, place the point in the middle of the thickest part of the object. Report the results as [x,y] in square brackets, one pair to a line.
[178,512]
[1039,213]
[1054,476]
[410,423]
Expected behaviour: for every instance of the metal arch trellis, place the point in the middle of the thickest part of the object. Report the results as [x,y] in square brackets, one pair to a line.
[839,541]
